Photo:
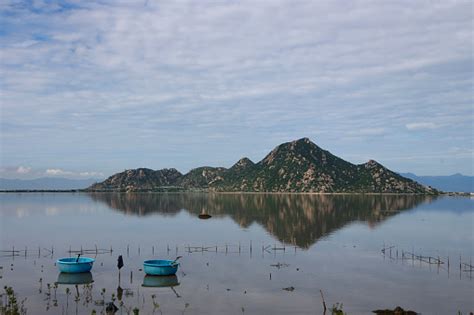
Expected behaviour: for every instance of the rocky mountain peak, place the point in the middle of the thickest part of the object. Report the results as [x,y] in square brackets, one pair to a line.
[299,149]
[304,140]
[243,163]
[372,164]
[301,144]
[139,172]
[170,171]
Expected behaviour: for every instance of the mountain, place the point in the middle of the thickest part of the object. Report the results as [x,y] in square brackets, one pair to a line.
[45,183]
[297,166]
[139,179]
[453,183]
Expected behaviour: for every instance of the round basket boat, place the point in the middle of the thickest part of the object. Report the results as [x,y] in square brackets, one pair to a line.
[75,265]
[160,281]
[160,267]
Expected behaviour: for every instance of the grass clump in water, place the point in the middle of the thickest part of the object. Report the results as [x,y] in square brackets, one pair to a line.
[9,303]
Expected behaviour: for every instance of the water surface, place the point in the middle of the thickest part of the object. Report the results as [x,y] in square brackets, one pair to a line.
[239,260]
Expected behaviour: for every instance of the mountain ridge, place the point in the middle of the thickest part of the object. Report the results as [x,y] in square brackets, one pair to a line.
[453,183]
[296,166]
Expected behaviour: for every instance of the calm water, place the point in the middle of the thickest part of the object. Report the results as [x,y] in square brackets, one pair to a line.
[328,243]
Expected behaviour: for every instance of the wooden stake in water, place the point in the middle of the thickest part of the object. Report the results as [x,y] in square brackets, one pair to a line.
[470,268]
[460,267]
[324,302]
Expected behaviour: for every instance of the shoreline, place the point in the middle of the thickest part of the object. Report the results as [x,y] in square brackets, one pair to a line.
[466,194]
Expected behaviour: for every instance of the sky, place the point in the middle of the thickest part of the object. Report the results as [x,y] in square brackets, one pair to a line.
[91,88]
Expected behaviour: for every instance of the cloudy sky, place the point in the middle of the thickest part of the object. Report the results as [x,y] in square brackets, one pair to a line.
[90,88]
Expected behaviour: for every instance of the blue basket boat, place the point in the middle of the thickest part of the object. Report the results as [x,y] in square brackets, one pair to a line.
[75,265]
[160,267]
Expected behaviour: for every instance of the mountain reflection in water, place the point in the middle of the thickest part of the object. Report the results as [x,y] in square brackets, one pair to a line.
[297,219]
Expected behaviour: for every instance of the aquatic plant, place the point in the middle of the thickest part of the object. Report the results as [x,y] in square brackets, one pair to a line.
[48,296]
[102,293]
[68,292]
[396,311]
[77,297]
[41,285]
[11,306]
[337,309]
[55,299]
[155,304]
[87,292]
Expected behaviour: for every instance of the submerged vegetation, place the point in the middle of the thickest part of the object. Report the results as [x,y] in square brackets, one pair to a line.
[337,309]
[396,311]
[9,304]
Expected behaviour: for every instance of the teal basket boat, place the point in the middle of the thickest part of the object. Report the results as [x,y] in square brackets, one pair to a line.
[75,265]
[160,267]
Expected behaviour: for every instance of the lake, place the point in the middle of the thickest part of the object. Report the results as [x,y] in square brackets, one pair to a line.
[256,254]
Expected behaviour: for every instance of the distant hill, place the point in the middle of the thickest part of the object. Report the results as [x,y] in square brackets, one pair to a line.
[45,183]
[297,166]
[452,183]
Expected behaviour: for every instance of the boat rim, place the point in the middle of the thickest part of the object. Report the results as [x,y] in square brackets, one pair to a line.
[163,263]
[87,261]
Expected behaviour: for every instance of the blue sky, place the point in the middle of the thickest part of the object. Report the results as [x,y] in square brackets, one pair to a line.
[90,88]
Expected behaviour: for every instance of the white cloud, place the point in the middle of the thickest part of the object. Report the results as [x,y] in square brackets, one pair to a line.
[64,173]
[57,172]
[26,172]
[421,125]
[23,169]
